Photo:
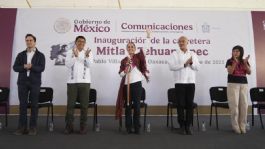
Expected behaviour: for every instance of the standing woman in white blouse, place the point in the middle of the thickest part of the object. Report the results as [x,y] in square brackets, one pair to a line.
[132,70]
[78,62]
[184,65]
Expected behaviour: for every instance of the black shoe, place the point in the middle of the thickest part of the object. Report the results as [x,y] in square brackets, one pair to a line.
[21,131]
[189,131]
[69,129]
[137,131]
[182,131]
[32,132]
[83,129]
[129,130]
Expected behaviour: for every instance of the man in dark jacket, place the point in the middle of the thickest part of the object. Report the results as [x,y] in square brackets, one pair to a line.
[29,64]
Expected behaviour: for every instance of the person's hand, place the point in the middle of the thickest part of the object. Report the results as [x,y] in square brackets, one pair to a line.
[127,69]
[235,59]
[246,59]
[129,62]
[27,66]
[88,52]
[188,62]
[128,65]
[148,33]
[75,52]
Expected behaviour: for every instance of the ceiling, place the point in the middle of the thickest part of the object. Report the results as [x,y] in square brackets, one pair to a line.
[138,4]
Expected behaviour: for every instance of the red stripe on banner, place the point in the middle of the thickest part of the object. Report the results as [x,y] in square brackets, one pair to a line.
[7,27]
[258,20]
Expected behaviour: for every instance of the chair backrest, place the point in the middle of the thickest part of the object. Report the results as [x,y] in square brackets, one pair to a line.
[218,93]
[171,95]
[46,94]
[92,96]
[257,94]
[4,94]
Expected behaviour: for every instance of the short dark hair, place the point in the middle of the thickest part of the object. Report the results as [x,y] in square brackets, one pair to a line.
[80,37]
[30,35]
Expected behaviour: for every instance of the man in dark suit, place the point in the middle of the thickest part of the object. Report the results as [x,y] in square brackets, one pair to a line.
[29,63]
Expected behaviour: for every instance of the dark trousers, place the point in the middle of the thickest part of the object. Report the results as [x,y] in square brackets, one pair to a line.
[77,92]
[28,92]
[184,102]
[135,97]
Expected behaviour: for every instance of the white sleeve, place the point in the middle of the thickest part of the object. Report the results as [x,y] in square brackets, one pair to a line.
[89,60]
[195,63]
[122,74]
[173,65]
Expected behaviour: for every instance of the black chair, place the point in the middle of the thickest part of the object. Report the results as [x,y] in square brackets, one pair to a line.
[171,95]
[45,101]
[142,105]
[257,96]
[92,104]
[218,97]
[4,95]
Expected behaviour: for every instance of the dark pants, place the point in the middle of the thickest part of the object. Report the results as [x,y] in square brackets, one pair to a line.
[28,92]
[184,101]
[135,97]
[77,92]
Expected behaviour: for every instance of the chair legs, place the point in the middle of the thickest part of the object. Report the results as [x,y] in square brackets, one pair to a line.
[260,117]
[171,117]
[96,113]
[6,112]
[252,112]
[95,121]
[167,114]
[145,109]
[48,115]
[216,118]
[197,118]
[197,115]
[49,111]
[52,112]
[211,113]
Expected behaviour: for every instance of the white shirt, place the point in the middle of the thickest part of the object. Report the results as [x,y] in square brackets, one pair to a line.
[135,74]
[78,67]
[181,74]
[29,58]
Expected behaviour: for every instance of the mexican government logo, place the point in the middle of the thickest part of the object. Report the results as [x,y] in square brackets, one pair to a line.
[62,25]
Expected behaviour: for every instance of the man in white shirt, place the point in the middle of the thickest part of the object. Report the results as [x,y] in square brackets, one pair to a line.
[184,65]
[78,62]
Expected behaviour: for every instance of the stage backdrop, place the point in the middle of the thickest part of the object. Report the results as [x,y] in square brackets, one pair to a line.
[212,36]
